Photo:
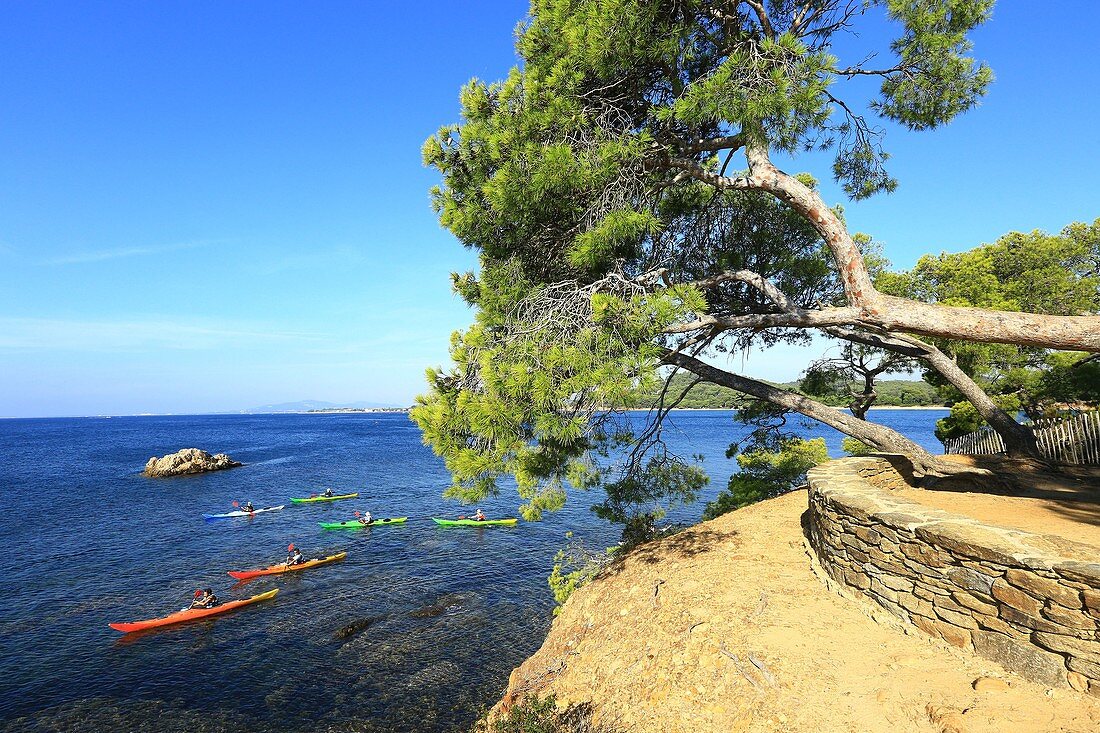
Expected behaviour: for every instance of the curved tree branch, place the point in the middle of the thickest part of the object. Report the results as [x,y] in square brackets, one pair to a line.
[877,436]
[891,313]
[1019,439]
[793,319]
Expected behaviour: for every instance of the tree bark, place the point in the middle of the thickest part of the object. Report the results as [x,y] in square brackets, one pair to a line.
[877,436]
[1068,333]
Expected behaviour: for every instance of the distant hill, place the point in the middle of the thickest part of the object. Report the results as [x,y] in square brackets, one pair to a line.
[307,405]
[891,392]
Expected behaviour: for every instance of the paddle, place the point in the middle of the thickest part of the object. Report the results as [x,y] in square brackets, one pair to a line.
[198,594]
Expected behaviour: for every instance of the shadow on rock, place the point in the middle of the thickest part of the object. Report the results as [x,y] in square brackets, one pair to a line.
[689,543]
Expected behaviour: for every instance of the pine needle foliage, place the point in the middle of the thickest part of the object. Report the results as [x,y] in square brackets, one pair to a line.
[583,181]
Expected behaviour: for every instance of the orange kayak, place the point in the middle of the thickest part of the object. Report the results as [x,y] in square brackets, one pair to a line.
[284,568]
[191,614]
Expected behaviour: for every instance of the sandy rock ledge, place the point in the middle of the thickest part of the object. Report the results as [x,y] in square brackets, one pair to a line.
[726,628]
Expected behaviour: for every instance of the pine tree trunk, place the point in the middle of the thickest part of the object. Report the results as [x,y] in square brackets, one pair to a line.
[877,436]
[1019,439]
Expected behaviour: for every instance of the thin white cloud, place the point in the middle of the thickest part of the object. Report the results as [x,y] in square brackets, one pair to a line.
[343,256]
[80,258]
[46,334]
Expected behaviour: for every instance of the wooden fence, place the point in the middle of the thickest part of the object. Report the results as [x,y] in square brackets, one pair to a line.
[1068,440]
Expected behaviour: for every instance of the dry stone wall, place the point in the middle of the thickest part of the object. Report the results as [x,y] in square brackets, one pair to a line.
[1030,602]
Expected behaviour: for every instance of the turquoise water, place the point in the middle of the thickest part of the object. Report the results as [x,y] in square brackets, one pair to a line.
[446,612]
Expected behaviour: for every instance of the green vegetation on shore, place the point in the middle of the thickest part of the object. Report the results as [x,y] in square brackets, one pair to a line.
[542,715]
[705,395]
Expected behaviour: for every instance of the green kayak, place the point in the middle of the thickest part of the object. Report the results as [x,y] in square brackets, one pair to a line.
[356,524]
[473,522]
[325,498]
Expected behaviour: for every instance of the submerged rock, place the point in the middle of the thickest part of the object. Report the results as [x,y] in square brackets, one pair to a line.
[443,604]
[434,675]
[116,714]
[188,460]
[355,627]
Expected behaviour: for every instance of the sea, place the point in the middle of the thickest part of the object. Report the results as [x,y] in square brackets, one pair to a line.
[438,616]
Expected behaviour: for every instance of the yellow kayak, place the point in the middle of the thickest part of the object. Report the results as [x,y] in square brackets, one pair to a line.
[312,499]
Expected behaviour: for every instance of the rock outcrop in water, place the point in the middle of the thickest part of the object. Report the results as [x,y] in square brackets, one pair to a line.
[188,460]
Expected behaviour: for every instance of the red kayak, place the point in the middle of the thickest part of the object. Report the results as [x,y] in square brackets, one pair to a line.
[191,614]
[284,568]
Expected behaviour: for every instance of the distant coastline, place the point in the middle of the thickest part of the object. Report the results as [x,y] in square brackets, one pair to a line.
[393,410]
[735,409]
[242,413]
[325,410]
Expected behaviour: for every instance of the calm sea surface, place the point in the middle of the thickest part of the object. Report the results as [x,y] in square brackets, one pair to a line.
[448,611]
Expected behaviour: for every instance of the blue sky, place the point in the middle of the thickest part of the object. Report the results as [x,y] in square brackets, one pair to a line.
[211,206]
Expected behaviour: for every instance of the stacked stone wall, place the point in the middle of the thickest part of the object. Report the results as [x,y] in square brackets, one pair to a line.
[1030,602]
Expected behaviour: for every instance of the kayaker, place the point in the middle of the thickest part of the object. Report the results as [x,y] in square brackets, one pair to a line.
[294,557]
[248,507]
[479,516]
[327,493]
[365,518]
[204,599]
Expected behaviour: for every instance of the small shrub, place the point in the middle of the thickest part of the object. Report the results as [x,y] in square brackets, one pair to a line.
[574,565]
[766,474]
[535,715]
[856,447]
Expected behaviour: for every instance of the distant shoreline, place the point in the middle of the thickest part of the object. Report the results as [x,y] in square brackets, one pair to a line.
[393,410]
[357,410]
[330,410]
[734,409]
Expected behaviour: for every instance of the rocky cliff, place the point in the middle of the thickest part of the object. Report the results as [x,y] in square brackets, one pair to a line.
[188,460]
[727,626]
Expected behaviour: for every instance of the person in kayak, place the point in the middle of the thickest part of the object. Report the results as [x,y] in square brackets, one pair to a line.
[479,516]
[294,557]
[327,493]
[204,599]
[365,518]
[248,507]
